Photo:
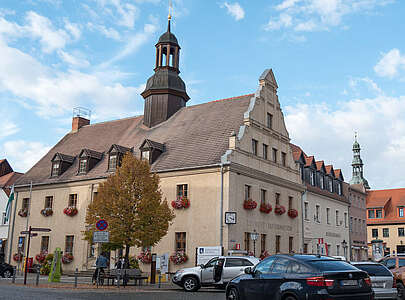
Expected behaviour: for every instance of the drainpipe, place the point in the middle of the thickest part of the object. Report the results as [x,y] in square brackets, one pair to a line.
[10,242]
[221,229]
[303,195]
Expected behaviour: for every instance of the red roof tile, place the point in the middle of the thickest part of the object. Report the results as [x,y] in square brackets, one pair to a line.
[389,200]
[309,160]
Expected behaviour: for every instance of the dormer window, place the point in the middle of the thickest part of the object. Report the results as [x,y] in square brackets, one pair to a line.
[312,177]
[330,185]
[115,155]
[88,159]
[339,186]
[151,150]
[60,163]
[322,181]
[55,168]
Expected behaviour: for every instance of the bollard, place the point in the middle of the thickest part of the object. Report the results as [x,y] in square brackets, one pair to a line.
[118,278]
[160,278]
[76,273]
[14,272]
[37,279]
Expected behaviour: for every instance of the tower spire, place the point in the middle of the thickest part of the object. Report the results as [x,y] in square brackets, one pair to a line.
[169,17]
[357,165]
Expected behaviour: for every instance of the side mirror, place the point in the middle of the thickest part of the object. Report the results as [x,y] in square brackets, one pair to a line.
[248,270]
[202,266]
[391,267]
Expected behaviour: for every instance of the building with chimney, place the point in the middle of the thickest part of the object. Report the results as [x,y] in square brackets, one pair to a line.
[7,179]
[357,193]
[229,157]
[325,207]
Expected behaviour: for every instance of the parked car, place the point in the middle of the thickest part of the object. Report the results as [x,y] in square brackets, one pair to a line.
[389,261]
[382,280]
[6,270]
[301,277]
[216,272]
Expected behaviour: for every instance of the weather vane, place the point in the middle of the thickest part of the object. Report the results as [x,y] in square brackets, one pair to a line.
[170,10]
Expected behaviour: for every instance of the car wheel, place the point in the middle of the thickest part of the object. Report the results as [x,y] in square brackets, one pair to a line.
[232,294]
[401,291]
[7,274]
[190,284]
[290,298]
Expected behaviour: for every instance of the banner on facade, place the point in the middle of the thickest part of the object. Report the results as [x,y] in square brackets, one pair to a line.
[204,254]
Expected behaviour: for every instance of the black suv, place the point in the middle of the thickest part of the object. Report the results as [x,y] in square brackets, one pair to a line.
[301,276]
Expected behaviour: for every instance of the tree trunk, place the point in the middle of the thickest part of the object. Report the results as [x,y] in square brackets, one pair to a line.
[127,247]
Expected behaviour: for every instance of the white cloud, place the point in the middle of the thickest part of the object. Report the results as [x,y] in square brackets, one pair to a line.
[7,128]
[328,134]
[235,10]
[110,33]
[72,60]
[316,15]
[390,64]
[22,155]
[123,12]
[73,29]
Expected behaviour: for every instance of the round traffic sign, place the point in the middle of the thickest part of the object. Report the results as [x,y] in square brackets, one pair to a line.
[101,224]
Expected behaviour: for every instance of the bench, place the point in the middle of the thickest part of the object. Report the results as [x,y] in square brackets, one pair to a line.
[126,275]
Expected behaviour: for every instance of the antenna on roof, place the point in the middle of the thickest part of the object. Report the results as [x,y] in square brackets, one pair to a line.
[82,112]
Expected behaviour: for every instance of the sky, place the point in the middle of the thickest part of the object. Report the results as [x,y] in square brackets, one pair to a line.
[339,64]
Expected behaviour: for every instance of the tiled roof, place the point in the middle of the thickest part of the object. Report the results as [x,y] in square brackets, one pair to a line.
[194,136]
[296,151]
[65,157]
[329,169]
[390,200]
[309,160]
[8,180]
[93,153]
[319,165]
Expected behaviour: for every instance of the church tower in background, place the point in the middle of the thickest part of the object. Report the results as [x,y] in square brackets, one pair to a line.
[357,165]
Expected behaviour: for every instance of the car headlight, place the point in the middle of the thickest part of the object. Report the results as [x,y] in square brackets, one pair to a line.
[178,272]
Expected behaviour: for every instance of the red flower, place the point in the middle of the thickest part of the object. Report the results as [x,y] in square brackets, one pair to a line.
[41,257]
[181,202]
[178,257]
[279,209]
[17,257]
[46,212]
[249,204]
[266,208]
[264,255]
[67,258]
[70,211]
[23,212]
[145,257]
[292,213]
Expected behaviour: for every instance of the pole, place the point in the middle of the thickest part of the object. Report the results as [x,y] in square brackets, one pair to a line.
[10,243]
[76,273]
[37,278]
[14,271]
[26,258]
[29,206]
[254,247]
[153,269]
[221,227]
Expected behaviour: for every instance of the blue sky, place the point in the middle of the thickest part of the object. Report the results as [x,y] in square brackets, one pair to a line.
[340,67]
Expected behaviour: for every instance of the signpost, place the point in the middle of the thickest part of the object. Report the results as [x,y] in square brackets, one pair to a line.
[101,224]
[30,234]
[101,237]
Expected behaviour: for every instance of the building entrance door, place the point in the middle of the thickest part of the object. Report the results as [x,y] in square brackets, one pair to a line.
[400,249]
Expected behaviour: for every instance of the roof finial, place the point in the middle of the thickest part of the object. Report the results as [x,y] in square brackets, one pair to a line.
[355,136]
[169,17]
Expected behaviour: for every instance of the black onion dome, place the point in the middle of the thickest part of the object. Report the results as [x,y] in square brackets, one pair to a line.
[168,37]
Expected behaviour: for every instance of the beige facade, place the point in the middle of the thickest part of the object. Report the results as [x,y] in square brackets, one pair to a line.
[392,235]
[212,191]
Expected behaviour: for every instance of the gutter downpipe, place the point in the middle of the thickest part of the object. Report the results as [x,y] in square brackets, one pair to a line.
[10,242]
[221,229]
[89,243]
[303,195]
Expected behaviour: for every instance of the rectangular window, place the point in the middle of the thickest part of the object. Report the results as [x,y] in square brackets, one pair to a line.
[247,192]
[265,151]
[3,219]
[317,216]
[312,177]
[45,244]
[290,244]
[330,185]
[72,200]
[321,179]
[290,202]
[337,218]
[378,213]
[386,232]
[180,242]
[306,211]
[48,201]
[254,147]
[274,155]
[401,232]
[263,243]
[182,190]
[145,155]
[278,237]
[83,165]
[339,188]
[69,240]
[112,162]
[263,196]
[371,213]
[337,249]
[305,248]
[345,219]
[277,199]
[283,159]
[327,215]
[374,233]
[25,203]
[269,121]
[247,241]
[401,212]
[55,168]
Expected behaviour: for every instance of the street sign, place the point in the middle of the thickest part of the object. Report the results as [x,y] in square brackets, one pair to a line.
[101,224]
[101,237]
[27,232]
[40,229]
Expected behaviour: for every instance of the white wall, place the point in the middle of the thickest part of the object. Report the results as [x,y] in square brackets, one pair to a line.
[3,205]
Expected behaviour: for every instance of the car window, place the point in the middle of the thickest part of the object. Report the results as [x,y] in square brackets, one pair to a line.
[212,262]
[237,262]
[280,265]
[264,266]
[331,265]
[297,268]
[390,263]
[374,270]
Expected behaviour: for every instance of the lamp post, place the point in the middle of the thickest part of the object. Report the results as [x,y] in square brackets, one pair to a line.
[344,245]
[254,235]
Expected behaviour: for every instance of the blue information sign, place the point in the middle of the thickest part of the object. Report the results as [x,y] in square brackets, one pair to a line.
[101,224]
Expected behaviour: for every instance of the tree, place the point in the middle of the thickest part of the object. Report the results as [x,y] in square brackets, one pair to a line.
[130,200]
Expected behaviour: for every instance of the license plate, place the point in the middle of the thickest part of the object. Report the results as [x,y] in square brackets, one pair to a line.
[348,282]
[378,285]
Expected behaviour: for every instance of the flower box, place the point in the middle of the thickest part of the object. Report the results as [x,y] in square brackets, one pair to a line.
[249,204]
[292,213]
[67,258]
[181,202]
[41,257]
[46,212]
[178,257]
[145,257]
[266,208]
[279,210]
[17,257]
[70,211]
[23,213]
[264,255]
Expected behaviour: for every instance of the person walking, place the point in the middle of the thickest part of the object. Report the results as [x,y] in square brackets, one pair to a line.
[101,264]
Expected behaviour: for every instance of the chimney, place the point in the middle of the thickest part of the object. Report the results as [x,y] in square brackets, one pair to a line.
[81,117]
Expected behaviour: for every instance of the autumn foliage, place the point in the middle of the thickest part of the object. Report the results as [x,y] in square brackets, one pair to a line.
[131,202]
